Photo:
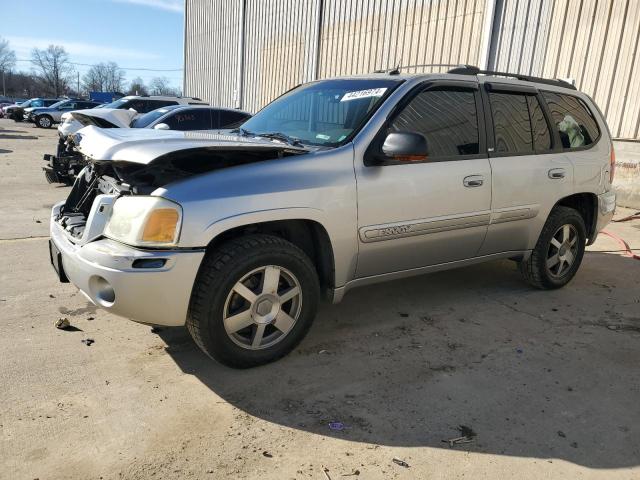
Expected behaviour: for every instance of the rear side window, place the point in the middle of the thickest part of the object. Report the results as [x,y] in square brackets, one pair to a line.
[448,119]
[229,119]
[197,119]
[572,118]
[519,124]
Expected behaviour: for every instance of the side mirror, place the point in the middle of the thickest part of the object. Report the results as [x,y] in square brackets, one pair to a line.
[161,126]
[405,147]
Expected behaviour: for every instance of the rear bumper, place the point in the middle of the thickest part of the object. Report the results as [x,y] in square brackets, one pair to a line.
[103,271]
[606,209]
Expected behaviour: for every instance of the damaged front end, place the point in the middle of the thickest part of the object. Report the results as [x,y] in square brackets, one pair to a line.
[88,207]
[66,164]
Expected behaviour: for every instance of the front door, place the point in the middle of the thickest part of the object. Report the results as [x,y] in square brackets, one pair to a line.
[413,214]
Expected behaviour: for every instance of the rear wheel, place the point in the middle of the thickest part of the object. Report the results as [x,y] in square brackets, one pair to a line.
[44,121]
[558,252]
[253,301]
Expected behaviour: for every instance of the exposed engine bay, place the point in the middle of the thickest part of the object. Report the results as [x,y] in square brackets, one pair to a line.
[107,180]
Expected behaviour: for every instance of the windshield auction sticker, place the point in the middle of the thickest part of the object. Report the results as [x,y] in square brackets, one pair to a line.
[371,92]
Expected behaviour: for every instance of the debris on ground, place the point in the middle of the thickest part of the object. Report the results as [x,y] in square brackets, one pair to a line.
[338,426]
[467,435]
[51,296]
[325,470]
[403,315]
[561,434]
[355,473]
[267,454]
[321,352]
[88,341]
[91,318]
[399,461]
[62,323]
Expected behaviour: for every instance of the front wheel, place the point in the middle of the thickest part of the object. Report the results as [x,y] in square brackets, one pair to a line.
[44,121]
[253,301]
[558,253]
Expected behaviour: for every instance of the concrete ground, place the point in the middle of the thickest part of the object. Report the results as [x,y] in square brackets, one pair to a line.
[549,381]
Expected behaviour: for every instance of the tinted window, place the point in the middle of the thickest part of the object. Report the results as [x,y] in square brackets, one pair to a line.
[228,119]
[447,118]
[48,103]
[511,124]
[539,126]
[196,119]
[573,120]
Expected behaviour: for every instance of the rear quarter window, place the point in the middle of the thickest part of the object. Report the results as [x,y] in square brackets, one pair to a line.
[573,120]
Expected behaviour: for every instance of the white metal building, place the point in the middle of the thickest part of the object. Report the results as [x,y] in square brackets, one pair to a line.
[244,53]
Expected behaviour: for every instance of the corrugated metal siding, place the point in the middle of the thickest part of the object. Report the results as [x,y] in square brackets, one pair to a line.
[211,50]
[594,42]
[360,36]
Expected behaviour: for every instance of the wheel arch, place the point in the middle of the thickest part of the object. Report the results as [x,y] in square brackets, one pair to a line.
[309,235]
[586,204]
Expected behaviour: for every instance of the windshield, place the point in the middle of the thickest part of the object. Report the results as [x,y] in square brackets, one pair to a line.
[148,118]
[121,103]
[324,113]
[61,102]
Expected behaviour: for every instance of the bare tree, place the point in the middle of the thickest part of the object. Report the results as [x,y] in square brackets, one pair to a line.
[104,77]
[7,56]
[7,61]
[137,87]
[161,86]
[53,67]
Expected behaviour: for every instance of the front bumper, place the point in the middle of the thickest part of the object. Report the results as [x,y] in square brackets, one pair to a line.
[103,271]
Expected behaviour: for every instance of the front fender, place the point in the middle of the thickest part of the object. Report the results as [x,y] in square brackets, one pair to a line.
[259,216]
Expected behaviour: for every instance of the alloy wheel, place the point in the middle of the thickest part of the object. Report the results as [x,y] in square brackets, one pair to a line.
[563,249]
[262,307]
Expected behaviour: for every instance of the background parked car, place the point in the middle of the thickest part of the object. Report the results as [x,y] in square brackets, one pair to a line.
[139,103]
[16,112]
[67,163]
[2,105]
[46,117]
[191,117]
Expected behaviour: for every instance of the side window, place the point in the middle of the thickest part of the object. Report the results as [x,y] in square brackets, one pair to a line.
[573,120]
[230,119]
[447,118]
[511,124]
[539,126]
[196,119]
[519,124]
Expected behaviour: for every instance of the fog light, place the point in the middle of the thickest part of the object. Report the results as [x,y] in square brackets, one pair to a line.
[102,291]
[149,262]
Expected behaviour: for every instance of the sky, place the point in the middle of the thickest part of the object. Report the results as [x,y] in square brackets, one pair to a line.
[132,33]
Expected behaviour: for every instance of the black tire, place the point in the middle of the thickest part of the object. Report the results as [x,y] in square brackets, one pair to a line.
[535,269]
[44,121]
[221,269]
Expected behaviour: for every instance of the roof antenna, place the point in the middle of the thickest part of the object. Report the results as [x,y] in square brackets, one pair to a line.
[395,71]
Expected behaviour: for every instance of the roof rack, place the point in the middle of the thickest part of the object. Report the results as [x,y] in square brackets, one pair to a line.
[396,70]
[472,70]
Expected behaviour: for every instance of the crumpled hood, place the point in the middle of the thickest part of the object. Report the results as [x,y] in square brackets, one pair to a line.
[142,145]
[120,118]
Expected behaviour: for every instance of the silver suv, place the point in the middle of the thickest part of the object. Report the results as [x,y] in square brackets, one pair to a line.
[338,183]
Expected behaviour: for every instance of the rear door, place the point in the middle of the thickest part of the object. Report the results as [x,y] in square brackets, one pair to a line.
[189,119]
[418,213]
[530,172]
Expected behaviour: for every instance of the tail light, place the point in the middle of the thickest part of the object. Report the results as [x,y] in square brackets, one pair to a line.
[612,164]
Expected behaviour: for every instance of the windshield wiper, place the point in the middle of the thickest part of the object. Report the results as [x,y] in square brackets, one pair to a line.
[282,137]
[244,132]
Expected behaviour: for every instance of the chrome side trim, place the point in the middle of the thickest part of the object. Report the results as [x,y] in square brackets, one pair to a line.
[390,231]
[339,292]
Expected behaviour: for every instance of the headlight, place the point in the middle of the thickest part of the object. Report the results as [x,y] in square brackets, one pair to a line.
[145,221]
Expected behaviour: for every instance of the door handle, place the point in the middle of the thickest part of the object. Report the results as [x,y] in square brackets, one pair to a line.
[473,181]
[556,173]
